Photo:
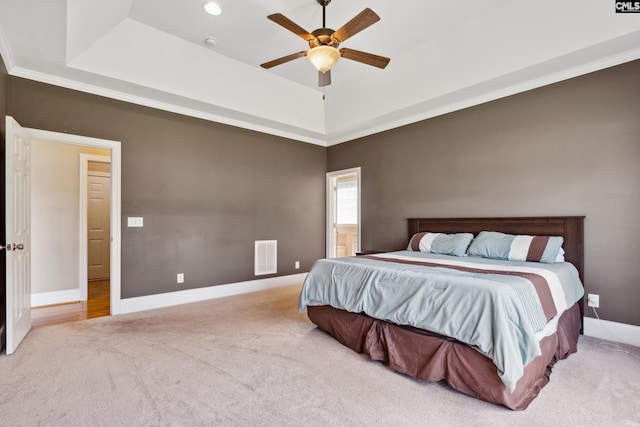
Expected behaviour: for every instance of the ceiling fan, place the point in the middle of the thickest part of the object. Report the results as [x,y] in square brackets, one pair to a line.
[324,43]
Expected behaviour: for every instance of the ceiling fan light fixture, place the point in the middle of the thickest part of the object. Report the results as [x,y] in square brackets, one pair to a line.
[212,8]
[323,57]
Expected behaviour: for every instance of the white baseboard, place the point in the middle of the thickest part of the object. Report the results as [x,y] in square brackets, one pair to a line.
[612,331]
[55,297]
[132,305]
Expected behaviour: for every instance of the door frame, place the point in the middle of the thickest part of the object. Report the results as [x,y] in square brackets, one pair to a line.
[331,182]
[83,273]
[116,199]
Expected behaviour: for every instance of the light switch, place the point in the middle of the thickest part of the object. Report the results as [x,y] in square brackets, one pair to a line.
[134,221]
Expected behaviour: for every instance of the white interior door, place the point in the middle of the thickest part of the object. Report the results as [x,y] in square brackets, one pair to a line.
[98,229]
[18,225]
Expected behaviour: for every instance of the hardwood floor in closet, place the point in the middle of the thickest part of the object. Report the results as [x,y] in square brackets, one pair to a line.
[97,305]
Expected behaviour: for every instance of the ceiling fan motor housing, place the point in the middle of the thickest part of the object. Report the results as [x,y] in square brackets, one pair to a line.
[323,37]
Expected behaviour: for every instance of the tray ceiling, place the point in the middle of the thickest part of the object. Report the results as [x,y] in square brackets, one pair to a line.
[444,56]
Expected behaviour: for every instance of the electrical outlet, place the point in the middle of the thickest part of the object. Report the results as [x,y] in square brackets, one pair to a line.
[593,300]
[297,265]
[180,278]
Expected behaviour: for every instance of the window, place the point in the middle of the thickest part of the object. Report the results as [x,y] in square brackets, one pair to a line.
[347,209]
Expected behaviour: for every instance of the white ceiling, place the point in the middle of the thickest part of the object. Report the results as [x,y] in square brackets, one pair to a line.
[445,56]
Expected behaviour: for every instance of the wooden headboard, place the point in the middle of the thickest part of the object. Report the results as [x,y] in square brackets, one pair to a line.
[571,228]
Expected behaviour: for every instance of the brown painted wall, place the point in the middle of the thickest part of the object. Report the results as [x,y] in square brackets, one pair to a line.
[572,148]
[206,191]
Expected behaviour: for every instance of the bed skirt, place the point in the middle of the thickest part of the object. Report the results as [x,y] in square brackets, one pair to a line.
[432,357]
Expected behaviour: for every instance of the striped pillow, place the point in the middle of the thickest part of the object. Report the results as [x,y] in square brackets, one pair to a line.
[491,244]
[440,243]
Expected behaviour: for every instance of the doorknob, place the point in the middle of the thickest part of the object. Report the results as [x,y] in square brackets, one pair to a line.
[12,247]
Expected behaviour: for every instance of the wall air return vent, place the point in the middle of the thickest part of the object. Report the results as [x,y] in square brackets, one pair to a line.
[266,257]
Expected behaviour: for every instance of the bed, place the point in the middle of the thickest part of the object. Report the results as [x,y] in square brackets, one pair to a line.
[503,354]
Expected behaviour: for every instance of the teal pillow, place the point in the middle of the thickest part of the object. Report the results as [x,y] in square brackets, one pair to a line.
[441,243]
[495,245]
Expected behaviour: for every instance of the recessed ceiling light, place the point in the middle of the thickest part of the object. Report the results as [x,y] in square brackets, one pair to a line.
[212,8]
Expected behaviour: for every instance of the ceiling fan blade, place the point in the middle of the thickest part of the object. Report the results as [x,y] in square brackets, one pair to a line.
[364,57]
[324,79]
[285,22]
[284,59]
[363,20]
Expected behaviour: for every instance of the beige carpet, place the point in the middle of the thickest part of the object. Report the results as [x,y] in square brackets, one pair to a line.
[253,360]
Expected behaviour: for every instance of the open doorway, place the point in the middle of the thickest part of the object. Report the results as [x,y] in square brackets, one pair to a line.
[70,192]
[19,164]
[343,213]
[95,231]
